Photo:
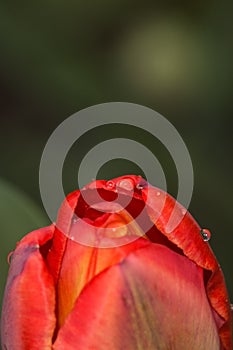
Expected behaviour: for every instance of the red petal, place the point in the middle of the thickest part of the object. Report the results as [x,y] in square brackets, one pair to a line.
[60,237]
[154,299]
[187,237]
[80,264]
[28,317]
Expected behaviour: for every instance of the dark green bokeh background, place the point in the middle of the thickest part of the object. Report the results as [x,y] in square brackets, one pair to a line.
[59,57]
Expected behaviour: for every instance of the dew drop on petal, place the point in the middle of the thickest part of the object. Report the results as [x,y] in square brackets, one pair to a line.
[142,184]
[205,234]
[126,184]
[9,257]
[110,185]
[158,193]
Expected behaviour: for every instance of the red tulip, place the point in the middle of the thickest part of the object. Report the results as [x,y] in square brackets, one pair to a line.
[149,290]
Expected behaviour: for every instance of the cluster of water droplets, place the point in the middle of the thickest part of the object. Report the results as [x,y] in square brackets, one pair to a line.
[126,184]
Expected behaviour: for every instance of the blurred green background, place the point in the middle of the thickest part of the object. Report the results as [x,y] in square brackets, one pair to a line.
[59,57]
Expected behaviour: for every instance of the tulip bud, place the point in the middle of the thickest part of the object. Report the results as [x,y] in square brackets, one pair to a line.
[115,272]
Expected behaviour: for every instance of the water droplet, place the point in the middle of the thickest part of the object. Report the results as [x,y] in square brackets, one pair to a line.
[158,193]
[142,184]
[126,184]
[72,238]
[9,257]
[110,185]
[205,234]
